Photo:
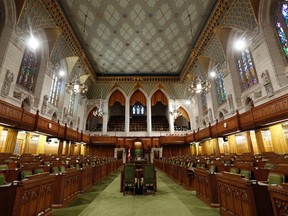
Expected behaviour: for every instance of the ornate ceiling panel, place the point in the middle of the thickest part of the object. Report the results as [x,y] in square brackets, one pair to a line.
[126,37]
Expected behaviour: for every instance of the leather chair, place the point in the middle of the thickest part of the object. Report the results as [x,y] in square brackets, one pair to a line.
[149,179]
[129,183]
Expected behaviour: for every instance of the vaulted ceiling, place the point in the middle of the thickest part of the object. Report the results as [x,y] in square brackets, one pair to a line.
[129,37]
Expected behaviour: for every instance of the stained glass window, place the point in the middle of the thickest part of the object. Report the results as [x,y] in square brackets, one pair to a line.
[55,90]
[204,104]
[28,70]
[246,69]
[220,89]
[138,109]
[71,104]
[281,27]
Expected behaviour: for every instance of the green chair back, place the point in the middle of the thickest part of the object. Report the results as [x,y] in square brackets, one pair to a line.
[212,168]
[275,178]
[149,174]
[234,170]
[26,173]
[38,171]
[269,166]
[246,174]
[2,179]
[62,169]
[3,166]
[129,174]
[55,170]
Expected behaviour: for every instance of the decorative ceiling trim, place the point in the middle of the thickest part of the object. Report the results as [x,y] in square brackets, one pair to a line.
[213,21]
[57,14]
[138,79]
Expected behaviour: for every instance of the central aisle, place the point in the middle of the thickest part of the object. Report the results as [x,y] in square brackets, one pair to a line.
[170,199]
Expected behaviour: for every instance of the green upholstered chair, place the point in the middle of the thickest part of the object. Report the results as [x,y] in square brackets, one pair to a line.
[2,179]
[269,166]
[212,168]
[275,178]
[234,170]
[3,166]
[38,171]
[62,169]
[149,179]
[26,174]
[246,174]
[55,170]
[129,175]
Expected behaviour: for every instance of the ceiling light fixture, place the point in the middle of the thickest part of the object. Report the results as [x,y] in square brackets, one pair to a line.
[175,112]
[199,86]
[76,87]
[99,112]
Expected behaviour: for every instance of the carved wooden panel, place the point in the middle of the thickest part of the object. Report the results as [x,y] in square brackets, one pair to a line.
[279,199]
[227,126]
[213,130]
[34,196]
[190,138]
[61,132]
[172,140]
[66,187]
[204,133]
[47,126]
[28,121]
[71,134]
[103,140]
[10,114]
[86,138]
[271,111]
[246,121]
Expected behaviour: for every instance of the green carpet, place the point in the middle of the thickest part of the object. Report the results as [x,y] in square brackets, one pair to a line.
[105,199]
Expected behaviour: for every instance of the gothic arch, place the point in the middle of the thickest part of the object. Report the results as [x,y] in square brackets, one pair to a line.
[267,10]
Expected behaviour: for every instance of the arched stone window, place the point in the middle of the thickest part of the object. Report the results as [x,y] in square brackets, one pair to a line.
[220,88]
[246,69]
[29,70]
[282,25]
[55,89]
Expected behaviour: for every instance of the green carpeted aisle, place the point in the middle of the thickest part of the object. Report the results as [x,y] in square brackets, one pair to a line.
[105,199]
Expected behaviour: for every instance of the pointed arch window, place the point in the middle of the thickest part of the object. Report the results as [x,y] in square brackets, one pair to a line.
[55,89]
[220,88]
[246,69]
[204,103]
[138,109]
[71,105]
[282,26]
[29,70]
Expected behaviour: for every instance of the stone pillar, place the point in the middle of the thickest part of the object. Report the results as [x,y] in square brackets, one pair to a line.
[27,143]
[260,143]
[72,148]
[149,118]
[60,147]
[249,142]
[127,115]
[67,143]
[41,144]
[83,150]
[10,140]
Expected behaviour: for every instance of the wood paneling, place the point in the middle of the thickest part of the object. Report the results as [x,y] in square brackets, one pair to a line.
[117,96]
[103,140]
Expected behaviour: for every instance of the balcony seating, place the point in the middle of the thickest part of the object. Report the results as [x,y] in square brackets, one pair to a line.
[160,123]
[116,123]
